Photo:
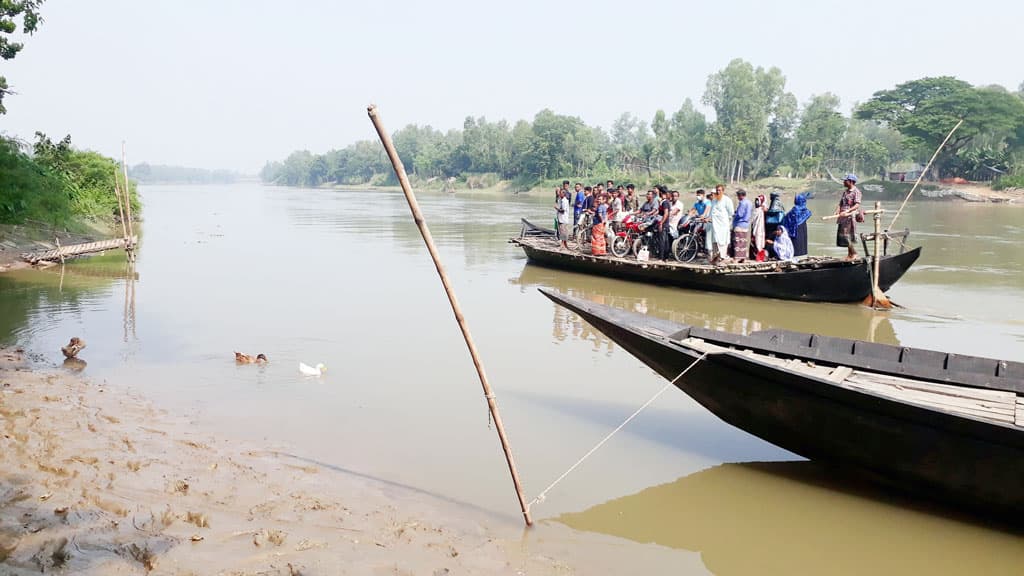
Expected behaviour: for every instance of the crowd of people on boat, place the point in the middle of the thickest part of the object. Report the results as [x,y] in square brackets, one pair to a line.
[737,230]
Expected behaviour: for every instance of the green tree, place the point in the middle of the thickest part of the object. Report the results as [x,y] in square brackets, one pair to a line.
[745,100]
[925,110]
[821,130]
[10,12]
[687,133]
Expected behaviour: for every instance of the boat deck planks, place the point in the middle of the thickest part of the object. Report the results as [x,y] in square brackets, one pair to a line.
[993,405]
[546,243]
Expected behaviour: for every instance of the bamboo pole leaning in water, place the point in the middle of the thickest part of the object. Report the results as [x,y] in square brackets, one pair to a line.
[130,243]
[417,216]
[120,207]
[923,172]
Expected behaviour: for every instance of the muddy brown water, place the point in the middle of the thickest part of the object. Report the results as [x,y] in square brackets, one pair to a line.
[341,277]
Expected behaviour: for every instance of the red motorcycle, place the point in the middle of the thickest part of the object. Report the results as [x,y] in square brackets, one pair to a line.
[629,235]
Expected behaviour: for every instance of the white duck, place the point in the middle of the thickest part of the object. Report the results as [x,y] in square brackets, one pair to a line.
[308,370]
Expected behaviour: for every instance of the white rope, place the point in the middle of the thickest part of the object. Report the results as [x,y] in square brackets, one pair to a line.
[543,494]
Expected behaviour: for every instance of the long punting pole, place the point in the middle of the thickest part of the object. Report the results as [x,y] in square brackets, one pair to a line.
[923,172]
[417,216]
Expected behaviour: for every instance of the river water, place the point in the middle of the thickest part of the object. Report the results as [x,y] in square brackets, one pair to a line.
[342,278]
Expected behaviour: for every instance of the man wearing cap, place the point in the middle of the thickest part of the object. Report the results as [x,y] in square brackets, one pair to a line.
[848,211]
[741,226]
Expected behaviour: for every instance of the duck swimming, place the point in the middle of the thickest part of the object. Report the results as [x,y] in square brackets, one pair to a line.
[308,370]
[247,359]
[73,348]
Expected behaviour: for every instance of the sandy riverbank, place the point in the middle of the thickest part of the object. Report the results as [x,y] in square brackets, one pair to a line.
[95,480]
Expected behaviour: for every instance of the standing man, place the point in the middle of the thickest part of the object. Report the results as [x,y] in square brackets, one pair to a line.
[578,199]
[741,226]
[848,210]
[630,202]
[721,212]
[663,217]
[564,216]
[675,215]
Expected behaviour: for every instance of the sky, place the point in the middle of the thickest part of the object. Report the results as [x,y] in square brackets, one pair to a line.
[231,84]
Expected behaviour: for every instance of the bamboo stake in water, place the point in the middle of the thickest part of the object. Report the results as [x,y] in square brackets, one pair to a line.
[130,244]
[417,216]
[120,207]
[877,298]
[923,172]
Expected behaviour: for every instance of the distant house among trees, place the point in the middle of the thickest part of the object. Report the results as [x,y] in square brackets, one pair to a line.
[904,172]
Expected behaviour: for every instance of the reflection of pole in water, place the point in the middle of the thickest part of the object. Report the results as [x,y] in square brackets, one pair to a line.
[60,288]
[129,300]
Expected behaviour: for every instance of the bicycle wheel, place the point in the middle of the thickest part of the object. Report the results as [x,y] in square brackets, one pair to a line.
[688,248]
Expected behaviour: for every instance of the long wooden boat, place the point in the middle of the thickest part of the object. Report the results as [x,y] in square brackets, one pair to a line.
[812,279]
[945,426]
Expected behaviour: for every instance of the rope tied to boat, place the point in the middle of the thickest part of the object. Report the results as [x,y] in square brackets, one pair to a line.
[544,493]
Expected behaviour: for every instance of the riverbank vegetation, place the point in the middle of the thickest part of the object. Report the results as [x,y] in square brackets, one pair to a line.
[757,130]
[48,183]
[54,184]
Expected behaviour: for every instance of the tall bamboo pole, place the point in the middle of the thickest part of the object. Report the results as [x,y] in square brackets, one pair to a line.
[417,216]
[128,201]
[877,297]
[120,207]
[923,172]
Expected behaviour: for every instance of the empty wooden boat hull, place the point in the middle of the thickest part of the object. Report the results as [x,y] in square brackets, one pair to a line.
[829,281]
[961,450]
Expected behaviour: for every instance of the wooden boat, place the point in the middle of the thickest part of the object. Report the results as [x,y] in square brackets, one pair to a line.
[945,426]
[812,279]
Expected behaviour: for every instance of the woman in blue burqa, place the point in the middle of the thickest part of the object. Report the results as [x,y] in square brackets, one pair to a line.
[795,223]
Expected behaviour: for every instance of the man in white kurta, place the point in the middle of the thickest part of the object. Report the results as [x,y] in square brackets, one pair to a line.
[718,234]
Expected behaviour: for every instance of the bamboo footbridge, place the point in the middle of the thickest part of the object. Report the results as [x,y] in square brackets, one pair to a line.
[59,253]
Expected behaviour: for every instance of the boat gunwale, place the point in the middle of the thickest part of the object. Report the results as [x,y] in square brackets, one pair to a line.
[736,359]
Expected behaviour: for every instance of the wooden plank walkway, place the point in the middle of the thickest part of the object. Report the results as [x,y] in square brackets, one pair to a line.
[76,250]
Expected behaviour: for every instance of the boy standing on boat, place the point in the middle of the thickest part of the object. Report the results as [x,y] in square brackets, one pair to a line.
[578,201]
[564,216]
[848,210]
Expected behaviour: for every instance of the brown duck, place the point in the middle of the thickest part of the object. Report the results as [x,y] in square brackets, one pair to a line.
[247,359]
[73,348]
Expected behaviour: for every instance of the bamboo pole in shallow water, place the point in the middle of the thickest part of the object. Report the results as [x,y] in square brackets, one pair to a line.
[417,216]
[130,247]
[877,299]
[120,207]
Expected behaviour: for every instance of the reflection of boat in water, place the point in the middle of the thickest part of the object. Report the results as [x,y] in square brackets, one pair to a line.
[945,426]
[813,279]
[737,314]
[795,518]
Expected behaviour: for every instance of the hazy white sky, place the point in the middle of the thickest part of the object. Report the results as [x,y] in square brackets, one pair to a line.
[232,83]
